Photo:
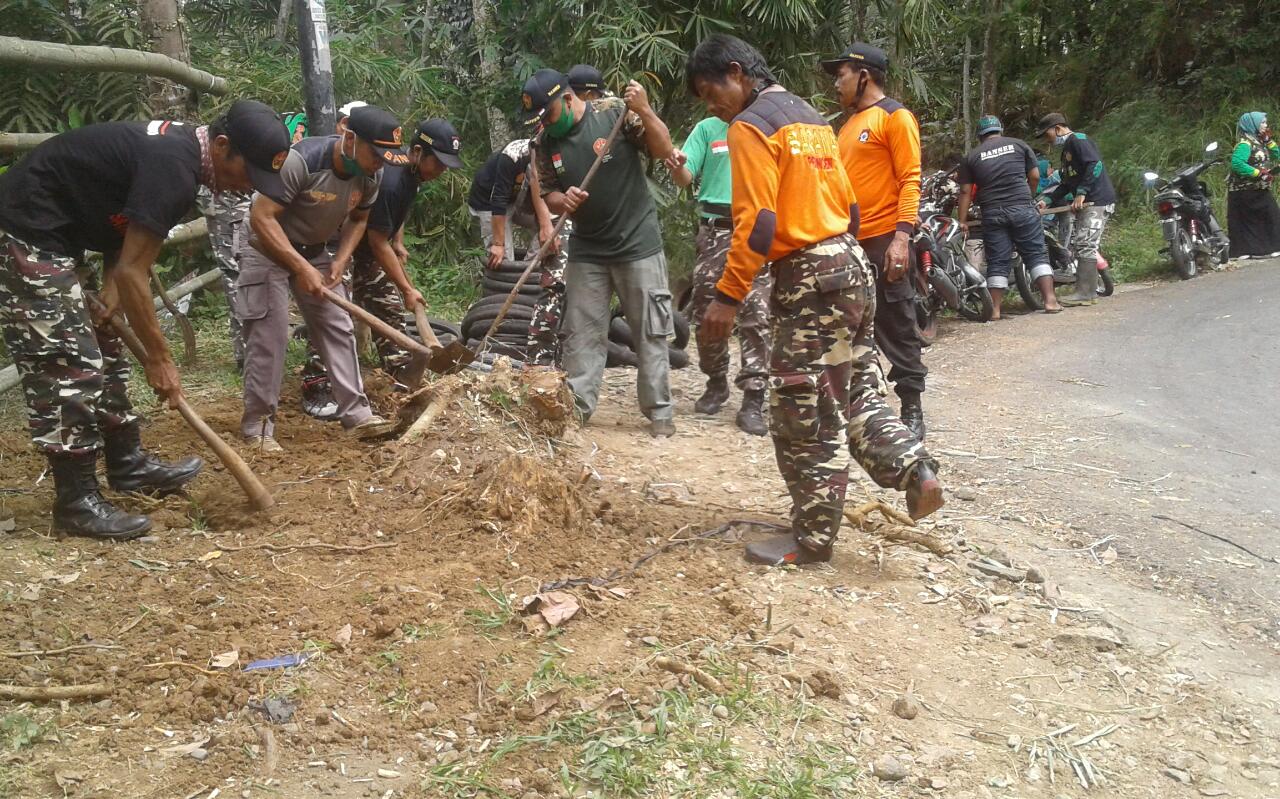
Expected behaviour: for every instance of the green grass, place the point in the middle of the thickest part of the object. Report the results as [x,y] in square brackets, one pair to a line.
[489,621]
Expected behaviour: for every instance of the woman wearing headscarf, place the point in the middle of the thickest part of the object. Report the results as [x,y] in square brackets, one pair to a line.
[1253,218]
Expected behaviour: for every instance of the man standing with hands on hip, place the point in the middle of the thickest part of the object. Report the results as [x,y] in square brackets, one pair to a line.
[616,245]
[880,148]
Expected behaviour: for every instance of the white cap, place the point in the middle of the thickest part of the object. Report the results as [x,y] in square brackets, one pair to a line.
[345,111]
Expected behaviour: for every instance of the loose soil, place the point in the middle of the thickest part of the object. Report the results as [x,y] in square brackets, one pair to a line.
[399,574]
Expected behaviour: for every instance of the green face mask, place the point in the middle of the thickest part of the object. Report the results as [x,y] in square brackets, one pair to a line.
[561,127]
[349,164]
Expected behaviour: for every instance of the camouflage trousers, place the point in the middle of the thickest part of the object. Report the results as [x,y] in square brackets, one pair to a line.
[75,376]
[373,291]
[226,215]
[1087,226]
[827,389]
[711,248]
[548,313]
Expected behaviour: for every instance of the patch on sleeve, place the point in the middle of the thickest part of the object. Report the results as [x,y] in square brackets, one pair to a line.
[762,232]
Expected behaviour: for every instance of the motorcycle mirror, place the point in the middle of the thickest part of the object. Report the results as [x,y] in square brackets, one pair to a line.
[1213,146]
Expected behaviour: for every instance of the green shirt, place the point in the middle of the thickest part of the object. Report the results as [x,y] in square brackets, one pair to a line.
[1247,160]
[708,151]
[619,220]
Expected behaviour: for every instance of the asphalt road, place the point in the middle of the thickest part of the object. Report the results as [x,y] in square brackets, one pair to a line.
[1172,397]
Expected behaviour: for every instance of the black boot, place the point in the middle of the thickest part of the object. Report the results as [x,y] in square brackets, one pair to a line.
[317,399]
[132,468]
[913,415]
[924,491]
[714,397]
[784,548]
[79,507]
[751,415]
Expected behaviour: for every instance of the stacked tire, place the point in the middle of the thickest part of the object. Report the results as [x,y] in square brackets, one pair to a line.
[512,336]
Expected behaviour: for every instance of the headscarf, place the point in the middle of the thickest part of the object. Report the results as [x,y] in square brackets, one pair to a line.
[295,121]
[1250,124]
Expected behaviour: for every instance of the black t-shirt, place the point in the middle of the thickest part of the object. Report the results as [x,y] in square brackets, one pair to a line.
[1083,173]
[395,197]
[82,189]
[999,167]
[496,184]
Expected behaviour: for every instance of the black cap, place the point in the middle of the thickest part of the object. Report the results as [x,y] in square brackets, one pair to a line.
[1050,121]
[584,77]
[440,137]
[859,54]
[539,91]
[380,130]
[344,111]
[257,132]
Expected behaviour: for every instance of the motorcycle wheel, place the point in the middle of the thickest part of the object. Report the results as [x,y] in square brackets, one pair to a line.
[1180,251]
[1029,292]
[1106,283]
[975,302]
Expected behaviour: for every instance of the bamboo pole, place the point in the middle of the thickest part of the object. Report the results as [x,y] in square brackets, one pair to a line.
[22,142]
[20,52]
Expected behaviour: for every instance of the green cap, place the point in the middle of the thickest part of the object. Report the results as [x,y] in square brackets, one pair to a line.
[989,124]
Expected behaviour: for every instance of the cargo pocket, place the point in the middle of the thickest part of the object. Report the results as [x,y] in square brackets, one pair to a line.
[253,295]
[793,405]
[659,322]
[838,281]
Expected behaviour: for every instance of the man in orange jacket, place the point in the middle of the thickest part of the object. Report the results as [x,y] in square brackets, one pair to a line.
[794,210]
[880,148]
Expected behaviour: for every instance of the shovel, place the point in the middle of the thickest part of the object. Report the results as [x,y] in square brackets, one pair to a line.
[444,360]
[420,356]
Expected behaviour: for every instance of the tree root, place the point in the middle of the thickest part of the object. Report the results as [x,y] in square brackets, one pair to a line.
[897,529]
[699,676]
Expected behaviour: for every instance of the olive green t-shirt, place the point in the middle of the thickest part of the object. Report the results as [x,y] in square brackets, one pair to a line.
[619,220]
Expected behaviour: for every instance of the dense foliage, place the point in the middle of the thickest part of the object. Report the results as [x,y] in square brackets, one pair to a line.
[1182,67]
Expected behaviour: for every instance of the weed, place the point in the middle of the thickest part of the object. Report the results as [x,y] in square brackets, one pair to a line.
[387,659]
[489,622]
[19,731]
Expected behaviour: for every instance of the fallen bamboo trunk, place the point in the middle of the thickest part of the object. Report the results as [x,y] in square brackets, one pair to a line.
[51,55]
[53,693]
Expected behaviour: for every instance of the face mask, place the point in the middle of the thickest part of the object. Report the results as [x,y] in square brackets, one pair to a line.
[349,163]
[1061,140]
[561,127]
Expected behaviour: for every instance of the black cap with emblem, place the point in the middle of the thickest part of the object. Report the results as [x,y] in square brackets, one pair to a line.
[1049,121]
[440,137]
[584,77]
[540,90]
[859,54]
[381,131]
[255,130]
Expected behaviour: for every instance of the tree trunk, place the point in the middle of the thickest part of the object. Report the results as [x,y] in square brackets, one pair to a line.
[989,40]
[51,55]
[163,29]
[965,91]
[487,47]
[317,66]
[282,19]
[859,9]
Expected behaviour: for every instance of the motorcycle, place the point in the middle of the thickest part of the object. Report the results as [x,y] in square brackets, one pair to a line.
[1063,262]
[944,277]
[1196,240]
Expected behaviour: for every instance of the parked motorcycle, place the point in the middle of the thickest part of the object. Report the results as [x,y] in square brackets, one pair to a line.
[1196,240]
[944,277]
[1063,262]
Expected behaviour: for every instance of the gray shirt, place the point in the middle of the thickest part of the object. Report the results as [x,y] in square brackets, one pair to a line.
[317,201]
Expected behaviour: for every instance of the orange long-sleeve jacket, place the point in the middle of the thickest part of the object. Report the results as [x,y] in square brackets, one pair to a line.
[880,148]
[789,187]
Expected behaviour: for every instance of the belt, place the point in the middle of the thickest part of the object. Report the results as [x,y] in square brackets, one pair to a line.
[716,209]
[785,261]
[718,222]
[308,251]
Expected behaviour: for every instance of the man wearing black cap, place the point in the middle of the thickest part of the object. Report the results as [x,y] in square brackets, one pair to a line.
[1087,186]
[327,184]
[616,244]
[587,82]
[379,282]
[880,148]
[1007,173]
[116,188]
[494,193]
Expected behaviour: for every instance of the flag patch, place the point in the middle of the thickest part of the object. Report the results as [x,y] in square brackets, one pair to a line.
[719,147]
[557,162]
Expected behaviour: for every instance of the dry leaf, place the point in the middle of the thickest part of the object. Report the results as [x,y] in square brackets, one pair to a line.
[226,660]
[1108,556]
[535,624]
[31,593]
[558,607]
[343,637]
[208,556]
[538,705]
[66,778]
